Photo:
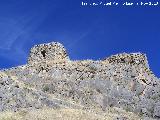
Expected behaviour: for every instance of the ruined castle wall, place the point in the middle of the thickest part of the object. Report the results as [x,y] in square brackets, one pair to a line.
[132,58]
[122,80]
[47,52]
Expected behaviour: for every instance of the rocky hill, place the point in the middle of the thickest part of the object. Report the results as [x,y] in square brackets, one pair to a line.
[122,82]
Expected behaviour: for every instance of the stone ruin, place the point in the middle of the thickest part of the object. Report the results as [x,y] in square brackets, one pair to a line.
[132,58]
[47,52]
[123,81]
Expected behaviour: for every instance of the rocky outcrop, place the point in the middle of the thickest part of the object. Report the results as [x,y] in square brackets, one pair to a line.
[122,81]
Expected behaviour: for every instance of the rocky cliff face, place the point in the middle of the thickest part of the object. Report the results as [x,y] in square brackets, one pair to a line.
[51,79]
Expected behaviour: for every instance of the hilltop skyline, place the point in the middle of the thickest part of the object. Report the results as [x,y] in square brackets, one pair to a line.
[86,32]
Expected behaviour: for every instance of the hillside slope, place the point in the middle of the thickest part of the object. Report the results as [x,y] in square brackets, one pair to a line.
[122,83]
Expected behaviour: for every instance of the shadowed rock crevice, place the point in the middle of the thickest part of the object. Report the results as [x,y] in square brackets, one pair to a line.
[43,53]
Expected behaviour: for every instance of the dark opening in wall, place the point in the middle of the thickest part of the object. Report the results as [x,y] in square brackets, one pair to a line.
[43,53]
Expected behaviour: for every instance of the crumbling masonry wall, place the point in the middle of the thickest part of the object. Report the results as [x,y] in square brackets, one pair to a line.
[47,52]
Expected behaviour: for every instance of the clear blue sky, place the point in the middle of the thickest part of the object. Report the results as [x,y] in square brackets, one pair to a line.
[86,32]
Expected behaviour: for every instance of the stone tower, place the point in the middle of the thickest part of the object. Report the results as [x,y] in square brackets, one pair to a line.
[47,52]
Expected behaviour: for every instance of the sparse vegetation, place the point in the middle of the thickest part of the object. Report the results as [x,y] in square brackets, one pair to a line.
[67,114]
[45,88]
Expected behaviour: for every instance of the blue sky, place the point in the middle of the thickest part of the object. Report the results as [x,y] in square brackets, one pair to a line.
[86,32]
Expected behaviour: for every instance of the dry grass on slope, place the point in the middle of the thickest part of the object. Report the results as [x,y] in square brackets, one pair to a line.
[67,114]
